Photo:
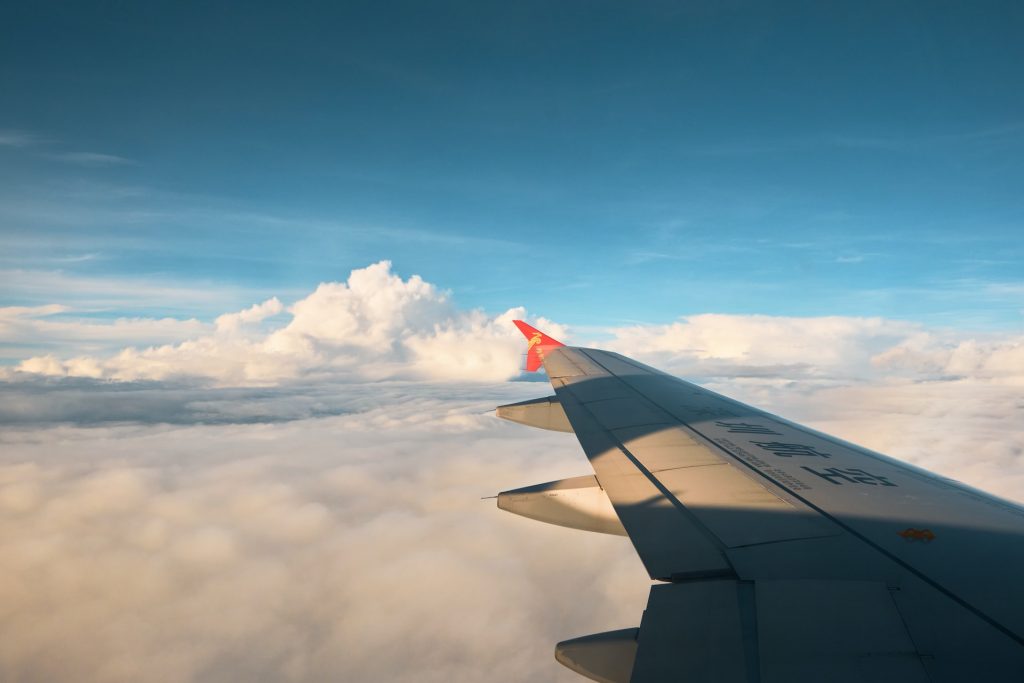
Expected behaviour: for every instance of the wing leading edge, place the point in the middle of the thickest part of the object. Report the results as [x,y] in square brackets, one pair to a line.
[782,554]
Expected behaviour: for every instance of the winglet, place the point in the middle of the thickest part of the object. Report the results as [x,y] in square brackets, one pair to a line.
[538,344]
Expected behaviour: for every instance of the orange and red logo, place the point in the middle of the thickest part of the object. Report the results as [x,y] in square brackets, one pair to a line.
[537,343]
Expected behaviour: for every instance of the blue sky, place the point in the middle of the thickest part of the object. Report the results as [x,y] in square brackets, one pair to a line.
[596,162]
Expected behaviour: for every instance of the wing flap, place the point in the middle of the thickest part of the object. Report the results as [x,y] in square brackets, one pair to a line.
[670,543]
[724,631]
[543,413]
[698,632]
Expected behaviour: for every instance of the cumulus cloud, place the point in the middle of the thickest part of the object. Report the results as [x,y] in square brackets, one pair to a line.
[999,359]
[232,322]
[373,326]
[761,340]
[831,347]
[376,325]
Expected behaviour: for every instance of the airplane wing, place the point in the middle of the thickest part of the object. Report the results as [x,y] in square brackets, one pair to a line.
[779,553]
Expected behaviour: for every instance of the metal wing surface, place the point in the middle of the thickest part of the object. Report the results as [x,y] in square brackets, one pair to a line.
[781,554]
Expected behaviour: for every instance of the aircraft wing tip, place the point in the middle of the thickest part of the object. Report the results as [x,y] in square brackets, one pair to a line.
[537,344]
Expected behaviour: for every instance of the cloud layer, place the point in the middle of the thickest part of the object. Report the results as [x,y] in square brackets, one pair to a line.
[353,547]
[292,492]
[335,531]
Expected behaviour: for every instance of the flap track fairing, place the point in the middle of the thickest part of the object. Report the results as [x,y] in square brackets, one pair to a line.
[543,413]
[577,503]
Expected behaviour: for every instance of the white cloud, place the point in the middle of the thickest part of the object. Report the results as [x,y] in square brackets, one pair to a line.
[353,547]
[14,312]
[116,293]
[35,327]
[833,347]
[232,322]
[766,340]
[44,365]
[1000,359]
[375,325]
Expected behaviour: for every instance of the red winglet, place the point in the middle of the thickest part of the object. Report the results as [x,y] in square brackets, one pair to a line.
[539,344]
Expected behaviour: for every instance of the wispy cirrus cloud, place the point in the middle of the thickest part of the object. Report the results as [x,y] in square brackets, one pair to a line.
[126,217]
[15,312]
[22,139]
[93,159]
[19,138]
[999,132]
[97,292]
[56,328]
[910,142]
